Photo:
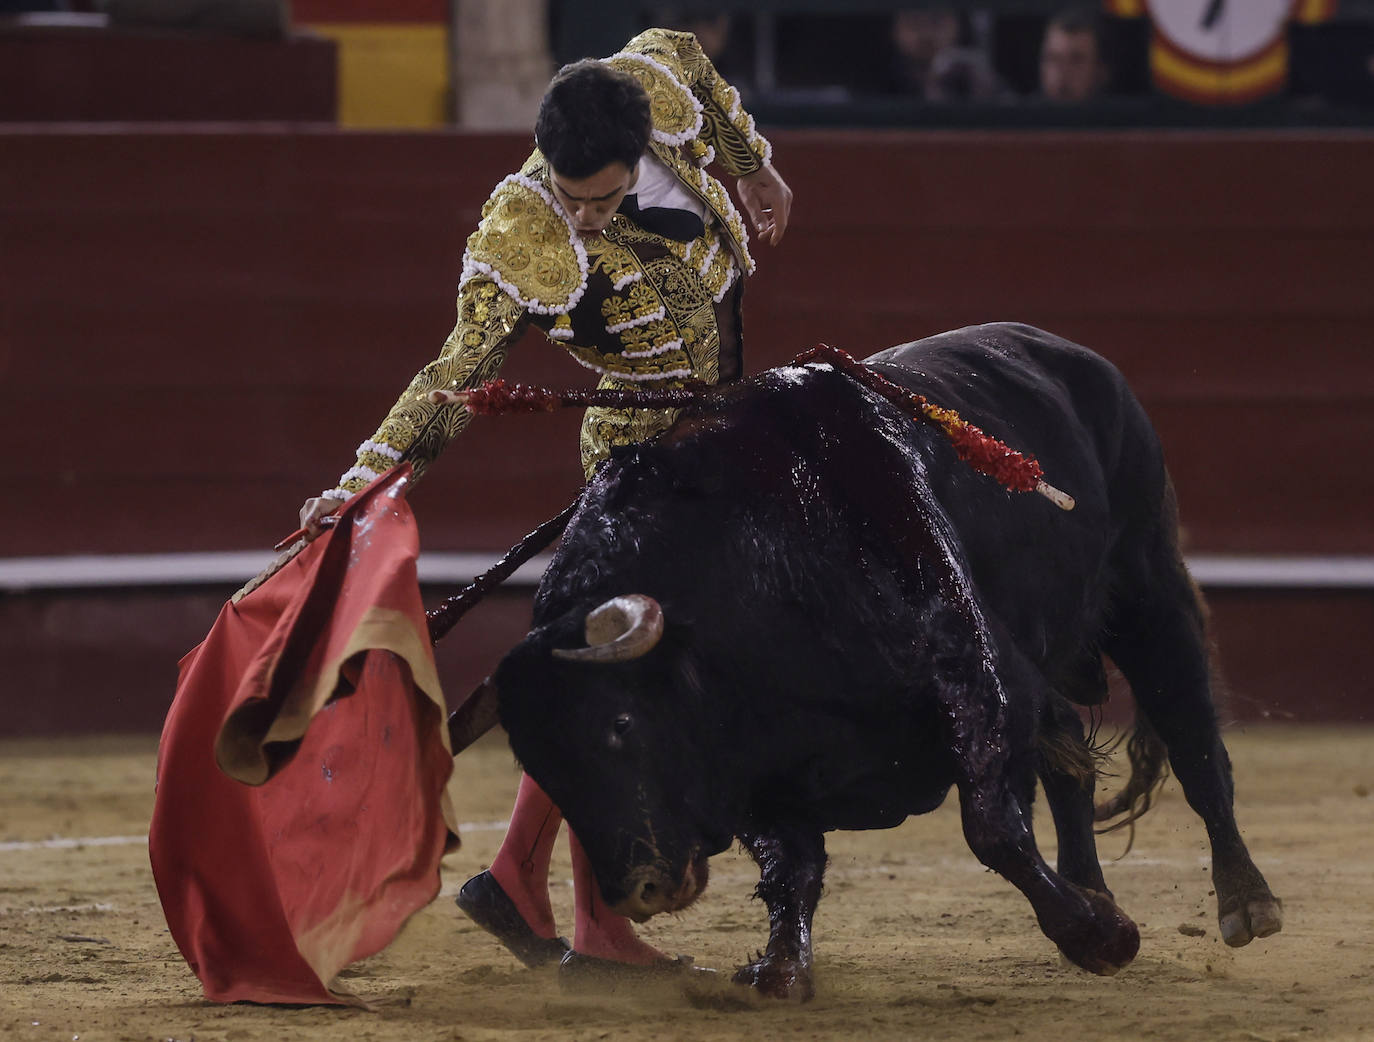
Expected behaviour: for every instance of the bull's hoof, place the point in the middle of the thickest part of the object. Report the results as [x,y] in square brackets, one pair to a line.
[786,979]
[1260,915]
[1105,943]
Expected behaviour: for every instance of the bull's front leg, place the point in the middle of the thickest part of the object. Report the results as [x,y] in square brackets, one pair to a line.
[1086,924]
[991,742]
[791,866]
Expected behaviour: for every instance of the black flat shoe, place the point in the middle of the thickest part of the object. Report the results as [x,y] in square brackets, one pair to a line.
[578,972]
[487,905]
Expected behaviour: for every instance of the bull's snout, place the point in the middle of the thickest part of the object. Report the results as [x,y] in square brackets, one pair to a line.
[648,897]
[652,890]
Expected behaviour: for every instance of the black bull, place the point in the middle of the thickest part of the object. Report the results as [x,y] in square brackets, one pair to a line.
[819,618]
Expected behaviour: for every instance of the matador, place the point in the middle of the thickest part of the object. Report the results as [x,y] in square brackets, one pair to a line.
[633,303]
[616,242]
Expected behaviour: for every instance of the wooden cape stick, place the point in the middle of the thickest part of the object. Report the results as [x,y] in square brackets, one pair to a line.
[443,618]
[478,713]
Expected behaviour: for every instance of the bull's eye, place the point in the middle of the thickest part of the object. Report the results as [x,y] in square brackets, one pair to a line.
[619,727]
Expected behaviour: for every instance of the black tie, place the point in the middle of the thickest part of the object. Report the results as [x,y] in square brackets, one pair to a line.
[682,225]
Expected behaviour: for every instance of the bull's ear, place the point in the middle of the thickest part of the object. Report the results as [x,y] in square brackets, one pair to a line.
[624,628]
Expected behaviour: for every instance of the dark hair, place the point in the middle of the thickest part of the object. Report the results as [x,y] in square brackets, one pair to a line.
[1081,19]
[592,114]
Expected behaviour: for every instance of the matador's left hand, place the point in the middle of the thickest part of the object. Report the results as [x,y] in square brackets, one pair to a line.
[768,201]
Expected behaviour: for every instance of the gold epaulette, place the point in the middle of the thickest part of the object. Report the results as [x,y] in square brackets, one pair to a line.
[674,109]
[526,246]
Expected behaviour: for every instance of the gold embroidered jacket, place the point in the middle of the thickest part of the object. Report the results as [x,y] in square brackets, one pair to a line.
[629,304]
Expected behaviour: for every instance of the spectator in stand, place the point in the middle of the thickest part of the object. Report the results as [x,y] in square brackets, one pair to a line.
[935,56]
[712,32]
[1073,62]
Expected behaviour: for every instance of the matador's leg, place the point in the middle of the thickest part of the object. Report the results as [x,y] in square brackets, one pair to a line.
[511,899]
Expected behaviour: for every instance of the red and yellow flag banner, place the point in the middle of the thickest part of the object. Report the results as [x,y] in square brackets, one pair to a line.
[1221,52]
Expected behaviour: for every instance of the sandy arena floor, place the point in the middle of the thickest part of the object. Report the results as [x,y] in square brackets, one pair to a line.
[913,939]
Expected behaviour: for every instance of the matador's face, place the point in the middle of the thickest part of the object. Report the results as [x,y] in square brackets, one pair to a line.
[591,201]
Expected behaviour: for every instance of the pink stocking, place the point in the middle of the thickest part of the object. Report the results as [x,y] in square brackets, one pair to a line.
[521,866]
[600,932]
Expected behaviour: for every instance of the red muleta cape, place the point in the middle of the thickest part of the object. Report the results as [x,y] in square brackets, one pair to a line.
[301,806]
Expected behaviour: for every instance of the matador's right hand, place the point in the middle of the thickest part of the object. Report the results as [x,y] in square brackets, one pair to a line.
[317,514]
[313,513]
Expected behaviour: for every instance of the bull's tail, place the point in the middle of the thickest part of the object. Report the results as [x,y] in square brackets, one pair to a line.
[1149,759]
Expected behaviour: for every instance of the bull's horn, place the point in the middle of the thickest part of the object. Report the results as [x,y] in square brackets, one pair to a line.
[623,628]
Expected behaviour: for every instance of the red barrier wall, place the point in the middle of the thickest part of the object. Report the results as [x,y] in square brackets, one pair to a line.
[52,73]
[199,325]
[193,319]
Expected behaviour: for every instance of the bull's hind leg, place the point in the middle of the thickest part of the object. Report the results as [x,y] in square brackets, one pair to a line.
[1158,641]
[791,865]
[1063,759]
[1068,775]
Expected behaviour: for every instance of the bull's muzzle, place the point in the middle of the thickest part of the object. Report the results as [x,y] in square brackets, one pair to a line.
[652,890]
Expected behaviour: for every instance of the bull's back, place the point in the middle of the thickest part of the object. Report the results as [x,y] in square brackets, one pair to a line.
[1045,571]
[1039,393]
[1018,378]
